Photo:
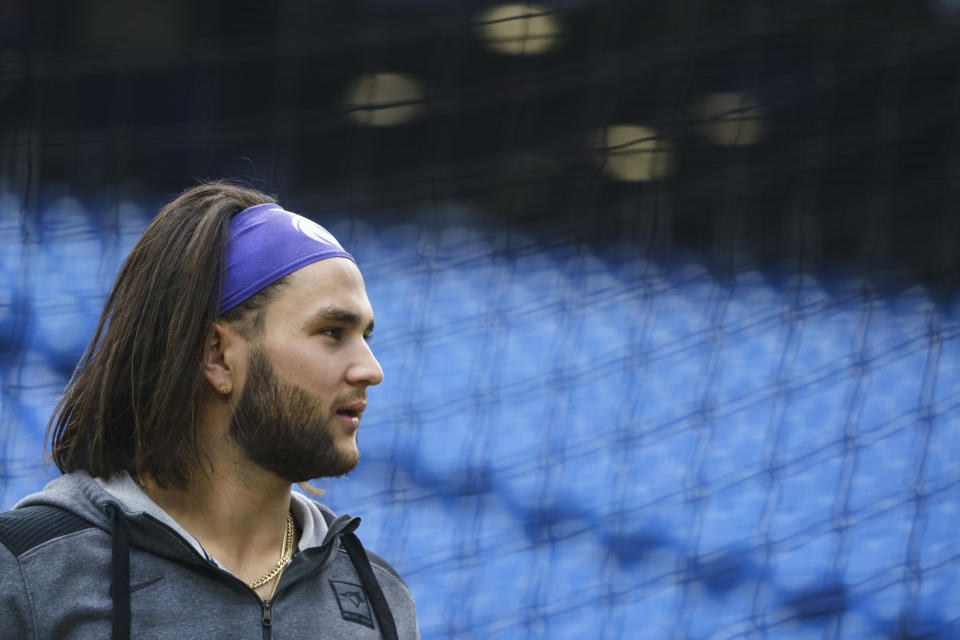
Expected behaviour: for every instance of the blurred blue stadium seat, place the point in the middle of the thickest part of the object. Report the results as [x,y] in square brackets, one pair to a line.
[571,442]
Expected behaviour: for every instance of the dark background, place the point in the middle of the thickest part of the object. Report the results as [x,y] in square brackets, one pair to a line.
[856,164]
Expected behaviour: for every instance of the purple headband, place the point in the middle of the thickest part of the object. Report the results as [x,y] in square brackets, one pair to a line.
[265,243]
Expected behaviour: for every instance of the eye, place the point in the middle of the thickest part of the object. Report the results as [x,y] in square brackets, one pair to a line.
[334,332]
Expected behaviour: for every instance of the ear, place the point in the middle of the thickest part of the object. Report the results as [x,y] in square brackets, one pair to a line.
[224,358]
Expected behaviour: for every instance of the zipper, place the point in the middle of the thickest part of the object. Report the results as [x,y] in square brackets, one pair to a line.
[266,614]
[266,621]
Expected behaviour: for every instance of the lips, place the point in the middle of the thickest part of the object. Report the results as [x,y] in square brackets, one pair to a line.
[352,411]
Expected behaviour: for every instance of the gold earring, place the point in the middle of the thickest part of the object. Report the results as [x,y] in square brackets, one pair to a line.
[224,388]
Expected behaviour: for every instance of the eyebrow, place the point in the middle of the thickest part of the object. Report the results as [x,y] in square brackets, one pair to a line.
[338,315]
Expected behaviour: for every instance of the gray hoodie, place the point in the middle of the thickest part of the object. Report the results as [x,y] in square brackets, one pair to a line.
[91,559]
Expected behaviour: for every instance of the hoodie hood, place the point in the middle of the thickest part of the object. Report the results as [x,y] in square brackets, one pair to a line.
[76,493]
[95,500]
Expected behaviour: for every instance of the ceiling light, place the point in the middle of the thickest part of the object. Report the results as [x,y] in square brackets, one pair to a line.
[384,99]
[634,153]
[519,29]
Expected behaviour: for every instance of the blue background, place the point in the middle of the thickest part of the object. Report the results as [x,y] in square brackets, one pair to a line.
[577,441]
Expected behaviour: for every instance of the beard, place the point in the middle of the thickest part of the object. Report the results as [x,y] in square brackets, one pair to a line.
[286,430]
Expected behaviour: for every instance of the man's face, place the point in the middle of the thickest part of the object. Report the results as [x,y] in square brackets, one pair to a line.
[307,374]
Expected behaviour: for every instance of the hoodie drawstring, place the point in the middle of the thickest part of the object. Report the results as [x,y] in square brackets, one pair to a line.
[388,628]
[120,576]
[120,579]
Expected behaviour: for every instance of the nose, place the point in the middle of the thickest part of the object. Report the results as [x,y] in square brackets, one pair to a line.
[365,370]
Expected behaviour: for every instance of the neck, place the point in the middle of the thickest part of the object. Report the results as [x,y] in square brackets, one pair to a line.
[237,514]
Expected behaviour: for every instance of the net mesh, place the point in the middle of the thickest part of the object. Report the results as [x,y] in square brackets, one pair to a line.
[667,309]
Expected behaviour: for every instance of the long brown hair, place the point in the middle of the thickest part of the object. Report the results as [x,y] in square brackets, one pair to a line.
[134,399]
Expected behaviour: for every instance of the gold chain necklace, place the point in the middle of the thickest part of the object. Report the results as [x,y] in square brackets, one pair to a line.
[285,554]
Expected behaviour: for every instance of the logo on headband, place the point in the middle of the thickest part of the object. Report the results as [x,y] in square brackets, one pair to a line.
[311,229]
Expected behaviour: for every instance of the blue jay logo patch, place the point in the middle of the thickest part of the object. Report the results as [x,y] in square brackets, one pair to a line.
[354,606]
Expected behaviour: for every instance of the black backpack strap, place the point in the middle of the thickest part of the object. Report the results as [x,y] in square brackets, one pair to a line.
[28,527]
[388,628]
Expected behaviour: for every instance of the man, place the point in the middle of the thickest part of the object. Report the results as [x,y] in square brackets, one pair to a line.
[231,360]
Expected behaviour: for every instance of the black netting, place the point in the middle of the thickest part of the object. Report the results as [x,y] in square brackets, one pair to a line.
[665,292]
